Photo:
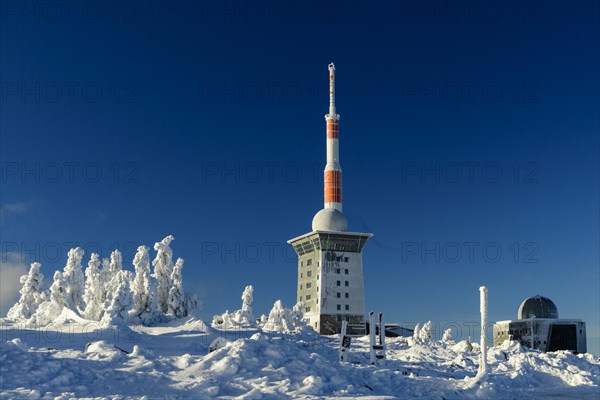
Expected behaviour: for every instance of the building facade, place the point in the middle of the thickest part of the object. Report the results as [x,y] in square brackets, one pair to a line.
[538,327]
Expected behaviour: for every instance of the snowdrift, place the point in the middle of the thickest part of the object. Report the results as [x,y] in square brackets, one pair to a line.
[74,358]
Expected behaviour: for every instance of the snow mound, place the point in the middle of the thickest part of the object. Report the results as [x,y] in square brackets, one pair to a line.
[103,350]
[172,361]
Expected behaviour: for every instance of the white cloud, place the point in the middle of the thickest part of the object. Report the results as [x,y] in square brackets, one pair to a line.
[18,208]
[11,269]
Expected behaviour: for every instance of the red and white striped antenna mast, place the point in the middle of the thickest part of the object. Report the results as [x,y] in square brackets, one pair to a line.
[333,171]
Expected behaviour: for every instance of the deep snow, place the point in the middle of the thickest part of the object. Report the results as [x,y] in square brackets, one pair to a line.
[74,358]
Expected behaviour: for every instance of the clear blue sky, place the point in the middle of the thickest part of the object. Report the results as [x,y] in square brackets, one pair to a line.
[466,130]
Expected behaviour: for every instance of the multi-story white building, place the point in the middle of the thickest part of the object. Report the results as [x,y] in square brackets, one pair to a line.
[330,270]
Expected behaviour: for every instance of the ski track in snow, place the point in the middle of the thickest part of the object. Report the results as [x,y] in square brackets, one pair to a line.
[75,359]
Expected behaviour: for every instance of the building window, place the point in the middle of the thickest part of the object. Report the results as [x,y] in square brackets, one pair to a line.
[301,276]
[308,285]
[347,307]
[317,264]
[339,283]
[308,297]
[317,276]
[347,295]
[345,259]
[316,324]
[346,283]
[309,273]
[317,301]
[301,287]
[317,288]
[339,295]
[302,263]
[339,307]
[346,271]
[300,298]
[309,262]
[337,270]
[307,309]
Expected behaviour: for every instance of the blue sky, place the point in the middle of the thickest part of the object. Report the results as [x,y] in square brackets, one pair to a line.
[469,144]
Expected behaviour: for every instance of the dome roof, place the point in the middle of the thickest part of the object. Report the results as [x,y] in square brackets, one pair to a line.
[537,307]
[329,219]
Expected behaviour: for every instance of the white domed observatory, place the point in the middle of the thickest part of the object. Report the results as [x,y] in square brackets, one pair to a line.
[538,327]
[330,271]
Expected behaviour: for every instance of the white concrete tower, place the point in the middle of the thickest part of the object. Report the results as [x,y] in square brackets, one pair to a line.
[330,270]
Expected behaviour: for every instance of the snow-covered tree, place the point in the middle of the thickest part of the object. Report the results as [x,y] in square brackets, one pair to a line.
[59,292]
[73,276]
[422,333]
[177,306]
[116,262]
[224,321]
[163,268]
[95,291]
[447,336]
[49,310]
[297,315]
[105,273]
[416,332]
[245,317]
[31,294]
[425,333]
[119,300]
[282,319]
[141,263]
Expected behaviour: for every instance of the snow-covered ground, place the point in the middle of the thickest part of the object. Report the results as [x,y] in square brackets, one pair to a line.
[75,358]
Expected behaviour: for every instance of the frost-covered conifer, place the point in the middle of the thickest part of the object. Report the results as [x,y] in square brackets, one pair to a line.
[73,276]
[141,263]
[223,321]
[245,317]
[105,272]
[59,293]
[94,295]
[280,319]
[145,291]
[416,332]
[31,294]
[297,315]
[176,295]
[163,268]
[119,300]
[425,333]
[447,336]
[49,310]
[116,262]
